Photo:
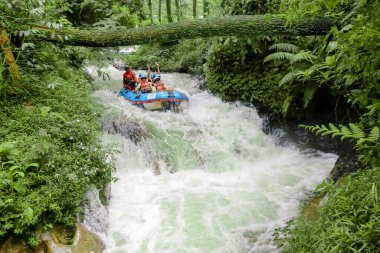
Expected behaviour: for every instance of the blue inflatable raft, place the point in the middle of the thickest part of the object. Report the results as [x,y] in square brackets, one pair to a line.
[162,100]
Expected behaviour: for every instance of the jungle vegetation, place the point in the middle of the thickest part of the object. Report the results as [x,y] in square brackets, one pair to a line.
[49,152]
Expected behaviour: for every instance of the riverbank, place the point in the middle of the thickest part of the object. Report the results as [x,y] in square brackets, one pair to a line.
[50,153]
[347,219]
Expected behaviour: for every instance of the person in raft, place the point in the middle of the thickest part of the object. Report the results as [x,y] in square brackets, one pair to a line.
[155,72]
[144,85]
[159,85]
[129,78]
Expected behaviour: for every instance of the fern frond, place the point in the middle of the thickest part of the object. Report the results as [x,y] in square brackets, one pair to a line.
[285,47]
[332,46]
[335,134]
[322,129]
[315,128]
[352,132]
[333,127]
[308,95]
[356,131]
[334,130]
[303,56]
[310,72]
[289,78]
[374,135]
[361,141]
[345,132]
[286,105]
[309,128]
[280,56]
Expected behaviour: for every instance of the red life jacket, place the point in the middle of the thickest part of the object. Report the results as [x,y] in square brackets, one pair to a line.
[160,86]
[145,86]
[129,75]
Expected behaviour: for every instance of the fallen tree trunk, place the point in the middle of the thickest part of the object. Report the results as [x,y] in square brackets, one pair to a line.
[248,26]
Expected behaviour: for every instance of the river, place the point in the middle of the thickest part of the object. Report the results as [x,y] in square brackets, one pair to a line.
[207,179]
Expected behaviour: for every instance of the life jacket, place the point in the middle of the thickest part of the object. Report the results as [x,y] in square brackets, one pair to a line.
[160,86]
[129,75]
[145,86]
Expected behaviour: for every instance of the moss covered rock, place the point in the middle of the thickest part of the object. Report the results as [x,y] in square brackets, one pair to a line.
[61,239]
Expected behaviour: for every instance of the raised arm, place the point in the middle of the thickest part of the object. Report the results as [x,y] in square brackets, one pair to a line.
[148,74]
[158,67]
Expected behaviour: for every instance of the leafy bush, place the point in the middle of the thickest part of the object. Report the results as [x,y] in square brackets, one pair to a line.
[235,71]
[348,64]
[49,152]
[349,220]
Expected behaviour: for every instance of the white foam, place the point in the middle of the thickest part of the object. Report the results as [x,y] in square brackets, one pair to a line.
[231,187]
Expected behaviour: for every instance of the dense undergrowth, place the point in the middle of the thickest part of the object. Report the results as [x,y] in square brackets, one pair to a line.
[348,63]
[349,219]
[235,71]
[49,151]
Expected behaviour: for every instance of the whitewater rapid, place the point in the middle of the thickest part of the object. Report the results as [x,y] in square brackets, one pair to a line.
[204,180]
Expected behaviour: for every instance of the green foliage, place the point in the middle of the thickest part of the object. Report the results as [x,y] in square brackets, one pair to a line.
[185,56]
[294,55]
[285,47]
[349,59]
[235,68]
[49,152]
[297,9]
[103,14]
[308,95]
[18,17]
[289,78]
[123,16]
[367,143]
[235,71]
[291,57]
[86,12]
[347,64]
[249,7]
[2,79]
[354,132]
[348,222]
[7,151]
